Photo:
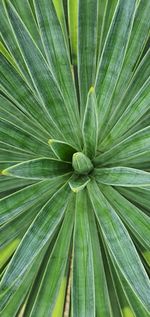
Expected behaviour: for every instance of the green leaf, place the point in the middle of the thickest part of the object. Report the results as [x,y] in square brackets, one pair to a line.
[73,27]
[59,7]
[133,113]
[106,12]
[48,300]
[83,290]
[42,79]
[57,52]
[146,255]
[143,123]
[25,12]
[11,44]
[8,251]
[22,140]
[134,147]
[38,234]
[137,195]
[138,309]
[90,125]
[134,218]
[19,202]
[59,306]
[62,150]
[15,156]
[138,80]
[118,298]
[87,45]
[17,227]
[74,160]
[102,300]
[11,113]
[23,291]
[100,25]
[37,282]
[38,169]
[127,299]
[122,176]
[16,89]
[112,58]
[78,183]
[7,55]
[119,243]
[8,184]
[138,38]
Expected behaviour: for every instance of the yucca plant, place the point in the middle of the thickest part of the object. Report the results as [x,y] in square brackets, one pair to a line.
[75,158]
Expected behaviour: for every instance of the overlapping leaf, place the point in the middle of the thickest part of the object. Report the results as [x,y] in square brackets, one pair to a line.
[74,235]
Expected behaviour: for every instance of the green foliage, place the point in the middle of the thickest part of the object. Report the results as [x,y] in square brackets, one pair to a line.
[74,158]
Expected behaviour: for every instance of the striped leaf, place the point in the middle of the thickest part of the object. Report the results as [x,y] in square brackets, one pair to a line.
[90,125]
[73,27]
[133,113]
[38,169]
[87,44]
[112,58]
[35,239]
[130,149]
[122,176]
[48,294]
[42,78]
[56,51]
[130,214]
[138,38]
[117,240]
[83,299]
[62,150]
[74,158]
[20,295]
[27,197]
[140,77]
[102,300]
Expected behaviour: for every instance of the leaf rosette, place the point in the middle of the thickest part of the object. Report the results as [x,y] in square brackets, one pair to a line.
[75,158]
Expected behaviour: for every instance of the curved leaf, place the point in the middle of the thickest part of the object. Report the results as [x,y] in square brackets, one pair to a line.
[122,176]
[38,234]
[38,169]
[42,79]
[134,147]
[62,150]
[48,294]
[19,202]
[78,183]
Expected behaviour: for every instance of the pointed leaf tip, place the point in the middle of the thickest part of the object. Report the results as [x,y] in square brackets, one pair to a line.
[78,183]
[50,141]
[91,90]
[5,173]
[58,308]
[75,190]
[127,312]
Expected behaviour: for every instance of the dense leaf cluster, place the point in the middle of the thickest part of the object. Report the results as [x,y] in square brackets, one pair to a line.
[74,158]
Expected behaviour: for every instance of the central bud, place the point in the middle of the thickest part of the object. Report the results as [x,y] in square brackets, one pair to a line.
[81,163]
